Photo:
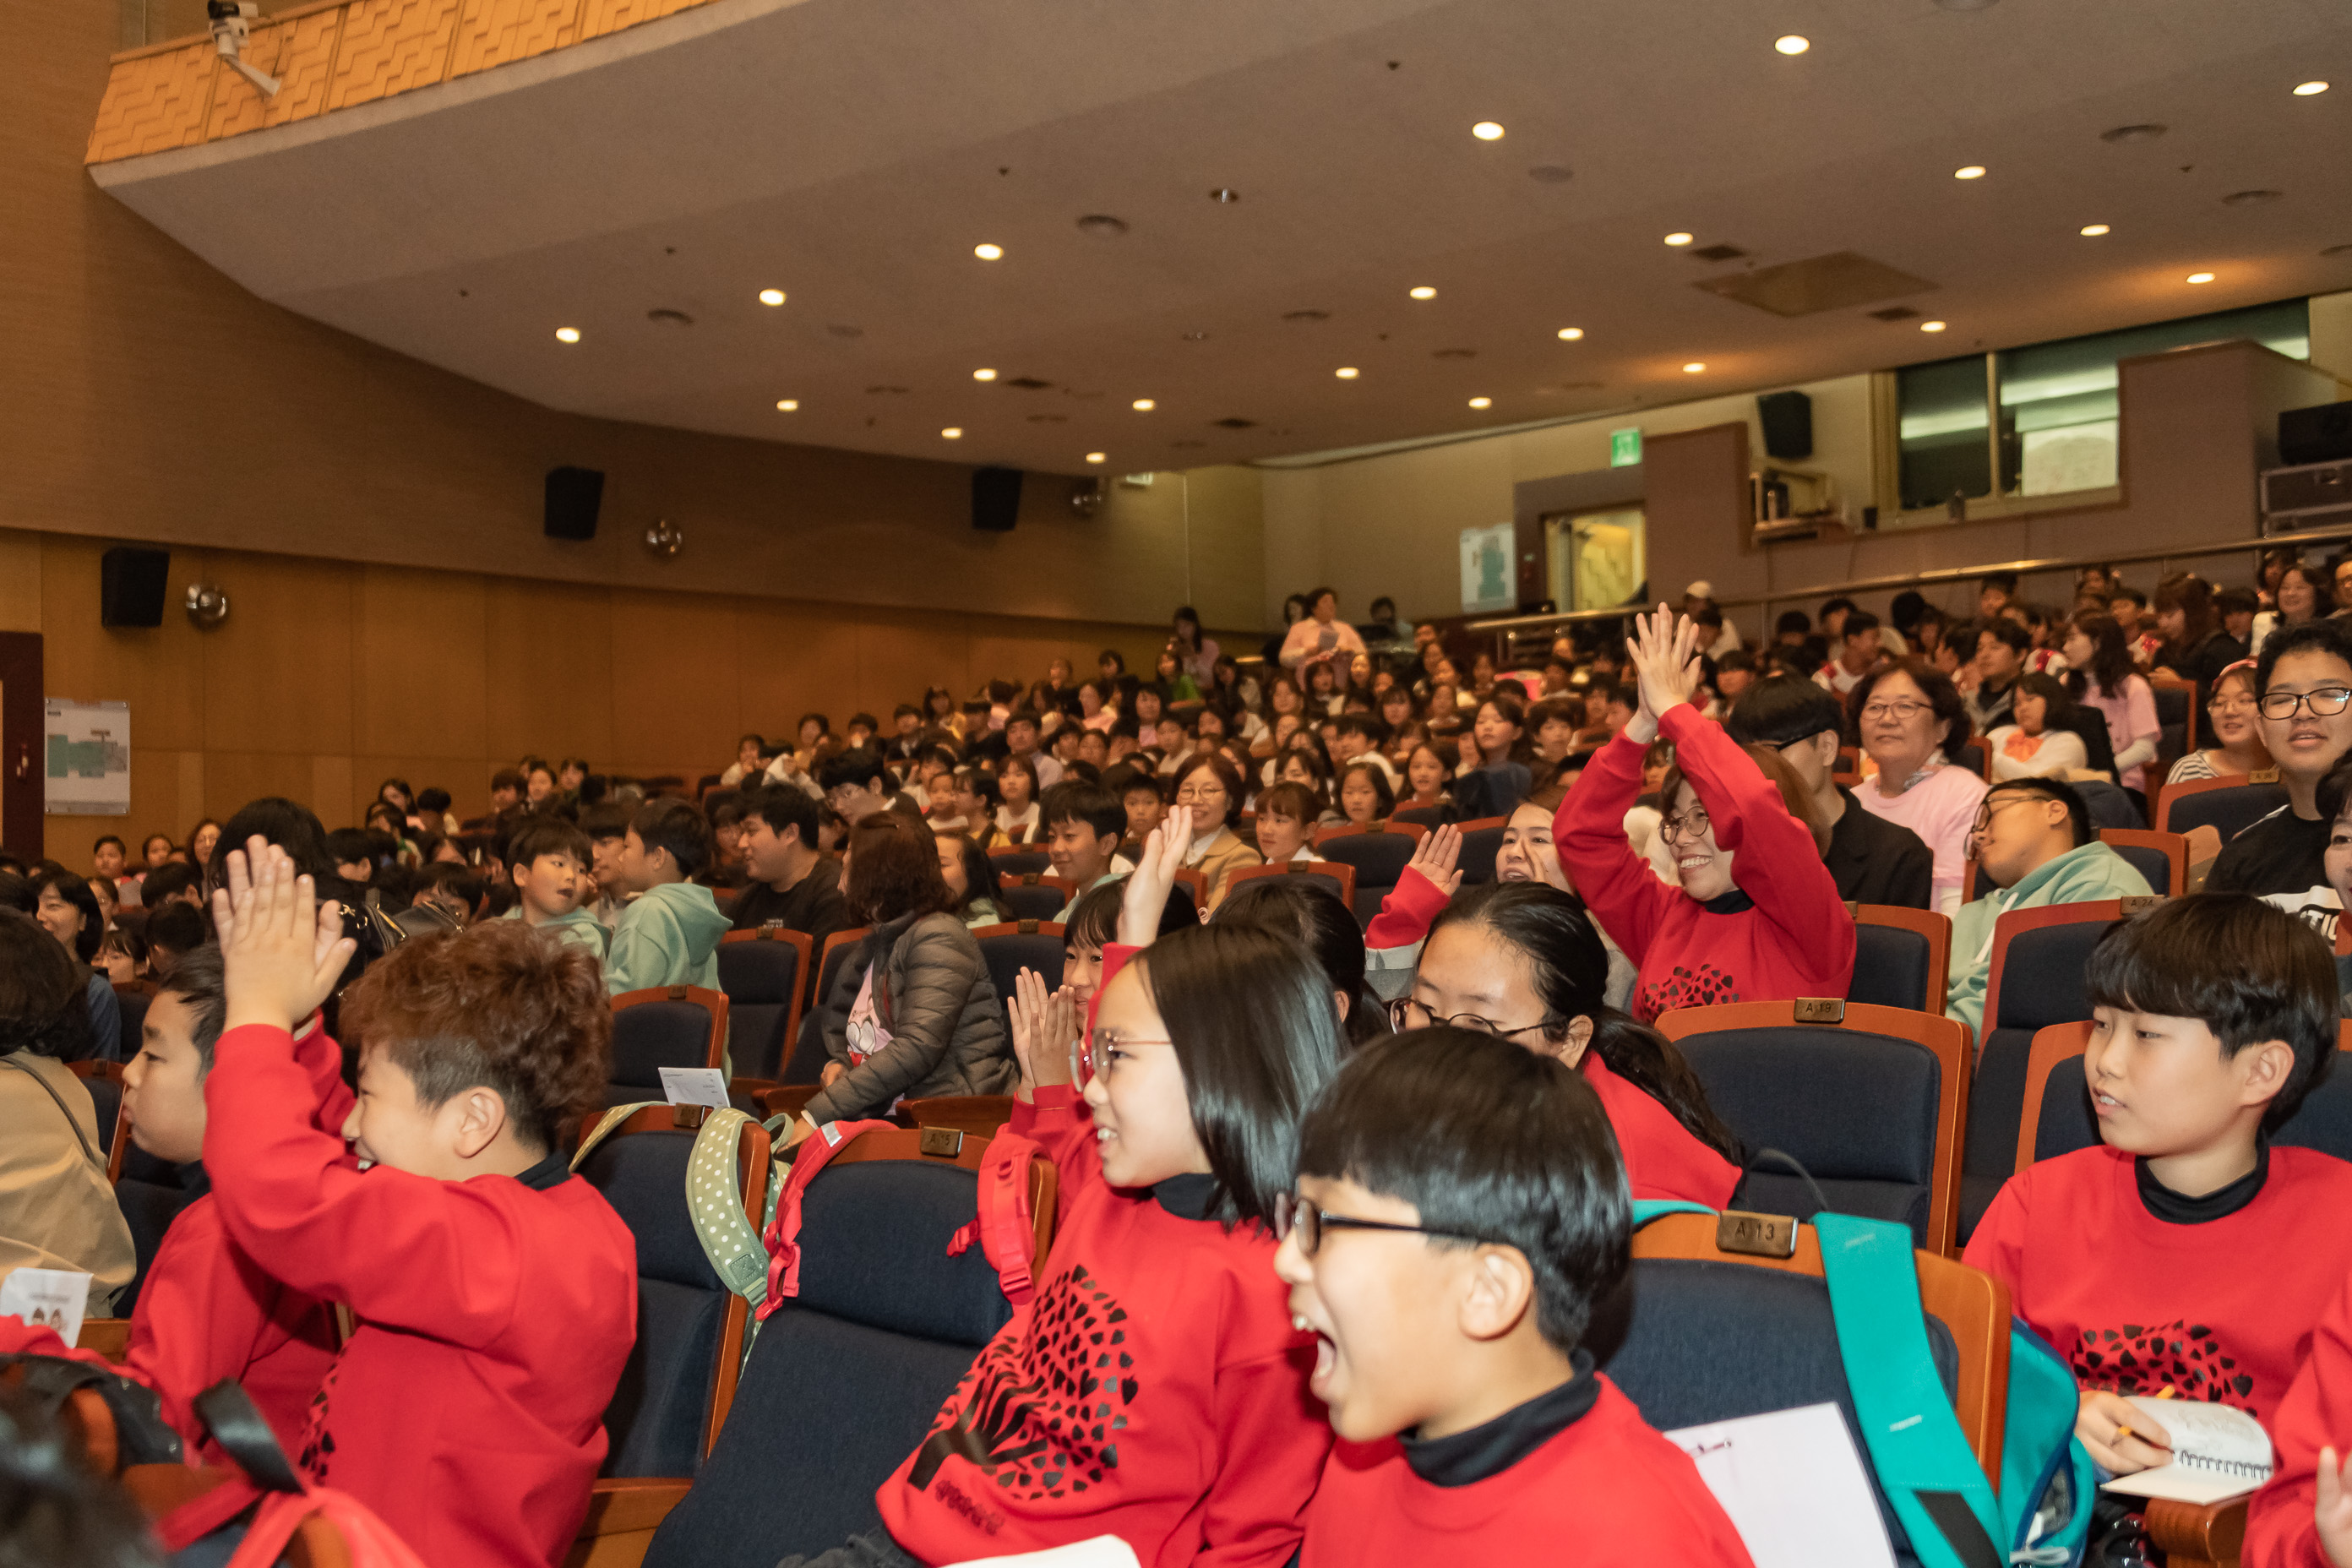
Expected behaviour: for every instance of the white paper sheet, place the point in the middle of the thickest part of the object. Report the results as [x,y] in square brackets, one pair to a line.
[1794,1487]
[55,1297]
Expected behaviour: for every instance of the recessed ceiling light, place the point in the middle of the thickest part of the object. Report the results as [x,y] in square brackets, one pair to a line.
[1424,292]
[988,252]
[771,296]
[952,433]
[1678,238]
[2201,278]
[1097,457]
[1482,403]
[2310,88]
[1143,405]
[1695,366]
[787,404]
[1486,131]
[983,376]
[1931,326]
[1347,372]
[1969,171]
[567,334]
[1570,334]
[1794,43]
[2093,230]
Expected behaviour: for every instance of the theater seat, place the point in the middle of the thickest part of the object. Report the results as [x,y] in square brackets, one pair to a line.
[1481,840]
[2059,1118]
[806,1064]
[764,973]
[1034,896]
[843,1380]
[1016,945]
[1902,958]
[2229,806]
[659,1027]
[1020,860]
[1376,852]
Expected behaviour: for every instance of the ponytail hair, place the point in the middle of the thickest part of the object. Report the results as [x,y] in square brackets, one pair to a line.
[1569,965]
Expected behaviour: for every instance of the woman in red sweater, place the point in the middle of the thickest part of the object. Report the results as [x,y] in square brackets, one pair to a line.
[1757,917]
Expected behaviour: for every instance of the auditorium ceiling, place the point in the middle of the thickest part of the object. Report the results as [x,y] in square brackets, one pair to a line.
[1215,208]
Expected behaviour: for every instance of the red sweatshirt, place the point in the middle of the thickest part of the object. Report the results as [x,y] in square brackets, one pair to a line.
[495,1315]
[2222,1310]
[1153,1390]
[2316,1414]
[1790,936]
[1605,1492]
[209,1311]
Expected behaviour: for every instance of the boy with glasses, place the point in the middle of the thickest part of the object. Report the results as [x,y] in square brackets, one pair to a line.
[2303,684]
[2034,844]
[1461,1208]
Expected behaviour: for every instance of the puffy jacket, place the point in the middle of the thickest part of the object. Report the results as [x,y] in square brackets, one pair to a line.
[932,993]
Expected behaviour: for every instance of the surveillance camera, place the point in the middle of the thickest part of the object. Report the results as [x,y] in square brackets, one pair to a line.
[232,25]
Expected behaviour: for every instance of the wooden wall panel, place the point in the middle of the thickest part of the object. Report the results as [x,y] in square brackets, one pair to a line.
[420,649]
[158,670]
[793,661]
[674,686]
[548,682]
[233,778]
[277,672]
[20,581]
[900,652]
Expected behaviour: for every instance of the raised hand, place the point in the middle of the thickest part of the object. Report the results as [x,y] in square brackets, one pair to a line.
[280,953]
[1663,650]
[2334,1512]
[1144,895]
[1434,858]
[1044,1026]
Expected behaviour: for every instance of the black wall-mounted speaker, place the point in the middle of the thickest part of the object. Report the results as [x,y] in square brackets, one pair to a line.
[995,499]
[130,585]
[1788,419]
[2320,435]
[572,497]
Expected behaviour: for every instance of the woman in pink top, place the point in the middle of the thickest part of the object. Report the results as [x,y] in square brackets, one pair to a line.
[2102,678]
[1907,716]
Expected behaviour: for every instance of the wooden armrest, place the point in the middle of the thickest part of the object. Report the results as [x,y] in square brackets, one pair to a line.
[752,1087]
[109,1337]
[623,1513]
[788,1100]
[160,1489]
[2193,1535]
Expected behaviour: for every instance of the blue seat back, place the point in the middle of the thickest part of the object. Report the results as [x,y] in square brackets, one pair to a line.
[1891,966]
[1857,1110]
[650,1036]
[2228,812]
[655,1420]
[807,1063]
[2041,983]
[760,979]
[1007,955]
[843,1381]
[2154,865]
[132,1003]
[149,1207]
[1025,902]
[1477,861]
[1014,863]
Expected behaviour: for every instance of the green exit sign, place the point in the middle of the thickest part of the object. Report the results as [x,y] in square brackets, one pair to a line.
[1625,448]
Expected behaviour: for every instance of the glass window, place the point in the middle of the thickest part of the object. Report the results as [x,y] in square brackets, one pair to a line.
[2056,404]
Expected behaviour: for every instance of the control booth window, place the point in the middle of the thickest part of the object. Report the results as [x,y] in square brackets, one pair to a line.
[2049,411]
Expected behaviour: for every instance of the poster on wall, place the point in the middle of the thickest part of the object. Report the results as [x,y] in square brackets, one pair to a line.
[85,752]
[1487,580]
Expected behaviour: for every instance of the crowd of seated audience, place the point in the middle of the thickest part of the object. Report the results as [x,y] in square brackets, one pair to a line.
[1355,1178]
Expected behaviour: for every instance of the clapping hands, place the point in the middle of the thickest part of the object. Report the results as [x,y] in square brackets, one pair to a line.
[1665,652]
[281,950]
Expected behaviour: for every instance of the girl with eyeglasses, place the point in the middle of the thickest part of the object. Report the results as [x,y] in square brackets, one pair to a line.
[2237,728]
[1173,1121]
[1524,962]
[1757,916]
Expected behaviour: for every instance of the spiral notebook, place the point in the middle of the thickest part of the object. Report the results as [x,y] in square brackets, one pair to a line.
[2217,1452]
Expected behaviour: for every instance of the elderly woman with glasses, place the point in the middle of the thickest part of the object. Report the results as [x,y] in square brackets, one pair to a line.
[1755,916]
[1209,788]
[1909,719]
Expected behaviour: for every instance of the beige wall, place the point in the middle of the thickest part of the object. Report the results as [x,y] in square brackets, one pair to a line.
[330,675]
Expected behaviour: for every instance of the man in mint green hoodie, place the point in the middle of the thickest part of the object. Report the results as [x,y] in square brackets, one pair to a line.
[548,859]
[670,932]
[2034,844]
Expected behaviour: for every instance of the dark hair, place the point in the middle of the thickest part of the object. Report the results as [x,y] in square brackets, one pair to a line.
[894,869]
[2236,602]
[432,798]
[74,888]
[980,881]
[1101,811]
[2193,597]
[57,1513]
[1285,798]
[1569,966]
[43,993]
[2058,703]
[543,833]
[507,778]
[462,882]
[2110,663]
[114,838]
[1782,709]
[1249,1013]
[346,845]
[678,827]
[1021,716]
[1792,621]
[1489,1142]
[860,767]
[1314,596]
[824,724]
[2246,969]
[1838,602]
[979,781]
[1933,684]
[2117,591]
[290,826]
[1227,775]
[2004,581]
[499,1006]
[196,979]
[2323,634]
[1857,622]
[2001,630]
[601,822]
[178,929]
[1367,725]
[1094,919]
[1383,791]
[1014,763]
[2078,814]
[782,806]
[1307,907]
